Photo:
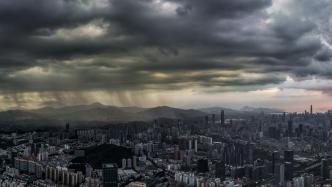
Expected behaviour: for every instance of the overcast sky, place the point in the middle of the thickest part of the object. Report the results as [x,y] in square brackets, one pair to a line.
[183,53]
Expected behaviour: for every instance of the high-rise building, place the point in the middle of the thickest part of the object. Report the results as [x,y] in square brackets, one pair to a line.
[88,170]
[298,181]
[39,170]
[290,128]
[213,119]
[289,156]
[288,171]
[67,127]
[110,175]
[275,160]
[202,165]
[129,163]
[324,170]
[249,171]
[311,109]
[222,117]
[206,120]
[134,162]
[300,129]
[282,174]
[258,172]
[155,124]
[250,153]
[308,180]
[124,163]
[220,170]
[190,144]
[283,116]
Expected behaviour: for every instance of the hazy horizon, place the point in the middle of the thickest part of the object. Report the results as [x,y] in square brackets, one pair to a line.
[240,108]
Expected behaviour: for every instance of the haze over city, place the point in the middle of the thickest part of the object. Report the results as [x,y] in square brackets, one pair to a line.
[188,54]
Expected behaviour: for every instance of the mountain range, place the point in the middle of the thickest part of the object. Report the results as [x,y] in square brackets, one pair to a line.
[98,112]
[103,113]
[244,112]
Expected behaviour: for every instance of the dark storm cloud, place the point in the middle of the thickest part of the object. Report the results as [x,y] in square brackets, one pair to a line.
[26,17]
[284,27]
[204,26]
[220,8]
[82,45]
[324,55]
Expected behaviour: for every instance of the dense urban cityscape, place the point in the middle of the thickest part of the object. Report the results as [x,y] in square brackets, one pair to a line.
[265,149]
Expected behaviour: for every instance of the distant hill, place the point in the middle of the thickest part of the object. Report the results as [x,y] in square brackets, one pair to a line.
[170,113]
[244,112]
[96,113]
[217,110]
[99,113]
[132,109]
[261,110]
[18,115]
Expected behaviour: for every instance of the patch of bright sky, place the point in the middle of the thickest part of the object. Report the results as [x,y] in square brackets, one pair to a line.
[91,30]
[165,7]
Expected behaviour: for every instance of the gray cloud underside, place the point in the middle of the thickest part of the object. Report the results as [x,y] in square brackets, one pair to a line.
[167,44]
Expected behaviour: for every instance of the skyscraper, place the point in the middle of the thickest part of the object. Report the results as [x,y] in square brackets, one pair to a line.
[110,175]
[190,144]
[288,171]
[289,156]
[196,146]
[222,117]
[220,169]
[324,169]
[283,116]
[275,160]
[290,128]
[67,127]
[282,174]
[310,109]
[203,165]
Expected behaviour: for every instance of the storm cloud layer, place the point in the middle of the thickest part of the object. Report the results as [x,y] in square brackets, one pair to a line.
[119,46]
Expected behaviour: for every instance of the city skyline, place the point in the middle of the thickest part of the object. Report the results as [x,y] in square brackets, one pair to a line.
[187,54]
